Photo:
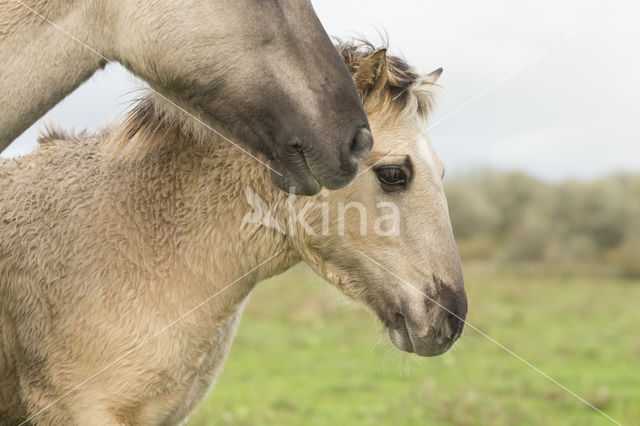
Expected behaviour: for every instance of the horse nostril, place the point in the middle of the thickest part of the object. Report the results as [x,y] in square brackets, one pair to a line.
[361,144]
[352,152]
[457,315]
[455,326]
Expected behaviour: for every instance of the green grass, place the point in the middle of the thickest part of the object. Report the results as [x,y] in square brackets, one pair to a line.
[305,356]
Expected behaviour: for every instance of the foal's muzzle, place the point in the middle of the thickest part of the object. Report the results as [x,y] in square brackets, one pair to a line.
[434,331]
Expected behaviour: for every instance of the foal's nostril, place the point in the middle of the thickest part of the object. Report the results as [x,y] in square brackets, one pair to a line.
[361,144]
[455,318]
[455,326]
[459,314]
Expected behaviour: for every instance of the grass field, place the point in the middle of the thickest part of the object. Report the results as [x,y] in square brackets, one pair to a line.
[305,356]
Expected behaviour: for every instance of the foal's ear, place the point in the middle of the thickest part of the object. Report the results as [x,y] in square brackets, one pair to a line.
[372,73]
[433,76]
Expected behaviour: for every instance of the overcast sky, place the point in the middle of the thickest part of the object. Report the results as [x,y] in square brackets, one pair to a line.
[553,84]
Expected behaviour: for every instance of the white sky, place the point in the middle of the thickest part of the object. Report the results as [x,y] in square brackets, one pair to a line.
[573,111]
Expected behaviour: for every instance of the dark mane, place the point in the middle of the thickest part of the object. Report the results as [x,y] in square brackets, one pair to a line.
[406,93]
[52,133]
[151,124]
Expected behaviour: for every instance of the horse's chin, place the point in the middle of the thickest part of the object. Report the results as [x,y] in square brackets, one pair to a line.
[294,175]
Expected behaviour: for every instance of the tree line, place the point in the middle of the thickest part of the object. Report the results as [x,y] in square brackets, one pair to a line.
[516,219]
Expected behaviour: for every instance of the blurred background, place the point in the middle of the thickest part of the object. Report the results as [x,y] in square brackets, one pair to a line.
[538,127]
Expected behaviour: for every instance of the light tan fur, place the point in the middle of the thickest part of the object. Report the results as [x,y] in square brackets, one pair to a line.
[101,253]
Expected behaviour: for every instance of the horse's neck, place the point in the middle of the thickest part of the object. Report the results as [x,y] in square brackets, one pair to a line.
[221,238]
[41,64]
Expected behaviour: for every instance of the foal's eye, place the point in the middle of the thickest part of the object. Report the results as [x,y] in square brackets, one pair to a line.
[392,178]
